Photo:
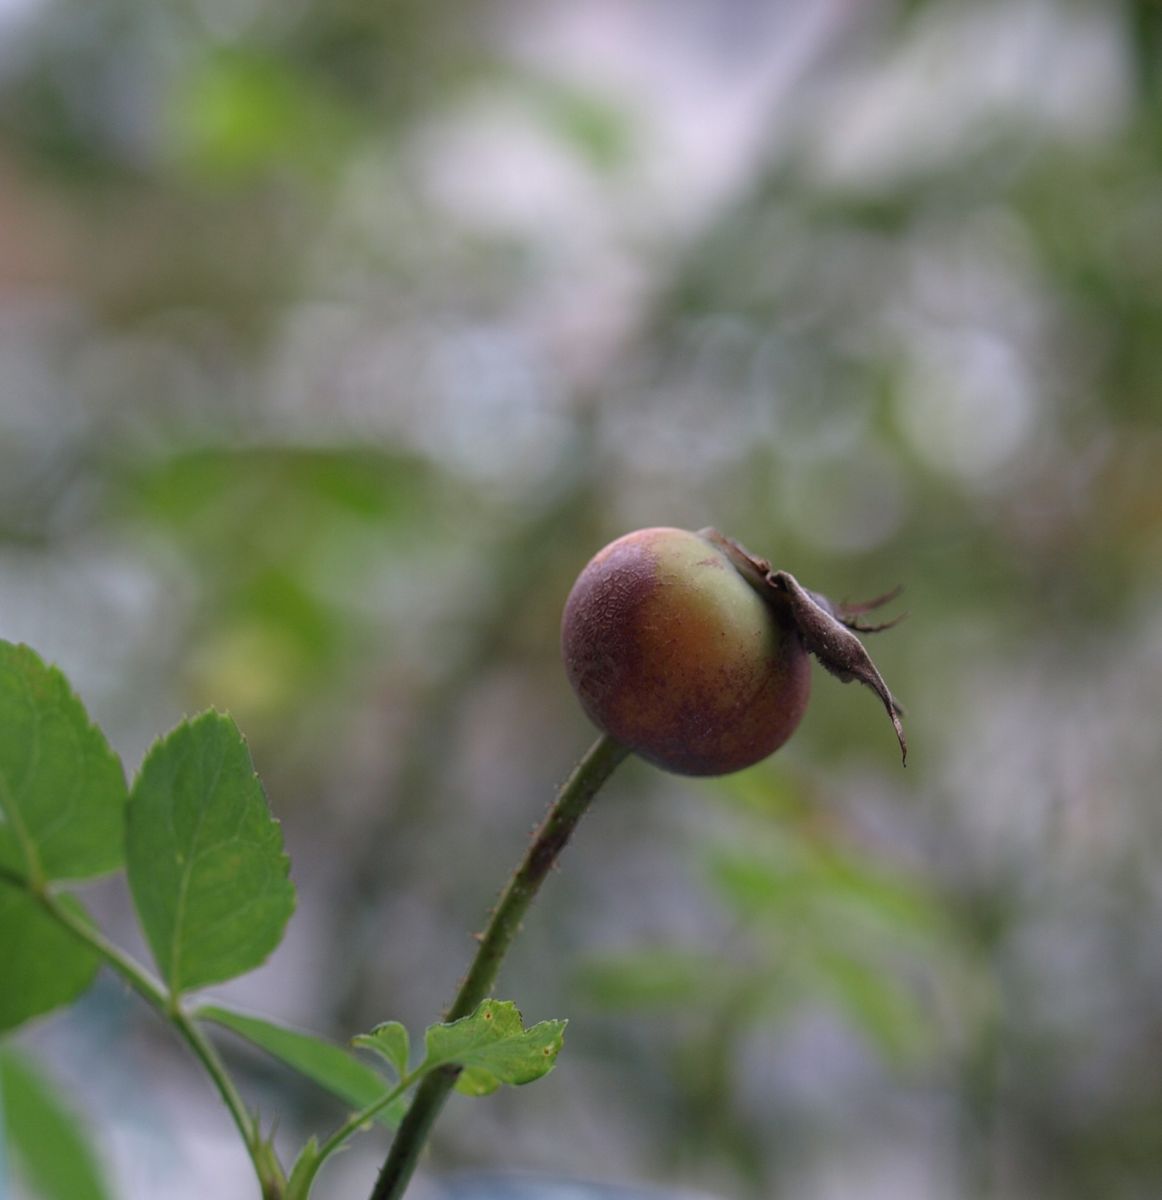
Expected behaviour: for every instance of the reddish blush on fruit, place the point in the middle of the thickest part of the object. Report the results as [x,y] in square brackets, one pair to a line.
[673,653]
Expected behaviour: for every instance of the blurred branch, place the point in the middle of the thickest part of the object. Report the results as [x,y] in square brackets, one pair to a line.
[1144,35]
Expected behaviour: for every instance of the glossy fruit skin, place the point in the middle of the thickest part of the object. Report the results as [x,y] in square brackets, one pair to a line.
[674,654]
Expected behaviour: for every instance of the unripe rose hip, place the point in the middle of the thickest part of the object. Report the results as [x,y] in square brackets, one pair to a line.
[674,654]
[695,654]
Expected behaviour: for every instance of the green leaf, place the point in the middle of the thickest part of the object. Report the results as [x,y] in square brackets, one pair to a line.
[328,1065]
[44,965]
[477,1081]
[205,857]
[493,1047]
[48,1143]
[62,790]
[390,1040]
[302,1174]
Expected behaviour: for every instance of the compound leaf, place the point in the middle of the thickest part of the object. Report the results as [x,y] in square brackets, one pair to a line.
[493,1047]
[204,856]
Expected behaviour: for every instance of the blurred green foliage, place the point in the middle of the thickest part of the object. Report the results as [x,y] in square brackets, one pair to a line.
[57,1163]
[335,338]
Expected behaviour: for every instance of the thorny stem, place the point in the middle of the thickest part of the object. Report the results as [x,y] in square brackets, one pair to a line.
[550,839]
[269,1174]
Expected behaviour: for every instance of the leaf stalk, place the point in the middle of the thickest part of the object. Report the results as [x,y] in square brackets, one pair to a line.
[154,992]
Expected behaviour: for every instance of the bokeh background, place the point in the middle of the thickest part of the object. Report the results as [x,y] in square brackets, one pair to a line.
[335,337]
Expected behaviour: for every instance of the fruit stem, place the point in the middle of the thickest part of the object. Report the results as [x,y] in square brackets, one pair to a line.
[550,839]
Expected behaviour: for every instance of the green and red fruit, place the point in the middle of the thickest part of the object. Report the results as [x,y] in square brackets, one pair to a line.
[694,654]
[675,655]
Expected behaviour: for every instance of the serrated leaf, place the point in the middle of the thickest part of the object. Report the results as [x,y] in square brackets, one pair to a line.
[44,965]
[49,1144]
[390,1041]
[493,1047]
[326,1064]
[204,856]
[62,790]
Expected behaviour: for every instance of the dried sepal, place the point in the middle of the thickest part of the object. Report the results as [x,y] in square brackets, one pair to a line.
[847,613]
[834,644]
[826,629]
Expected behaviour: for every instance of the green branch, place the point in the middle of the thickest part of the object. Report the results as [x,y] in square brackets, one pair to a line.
[357,1120]
[304,1173]
[550,839]
[269,1172]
